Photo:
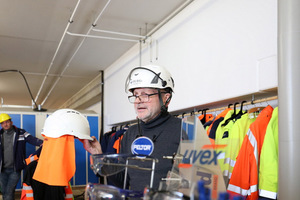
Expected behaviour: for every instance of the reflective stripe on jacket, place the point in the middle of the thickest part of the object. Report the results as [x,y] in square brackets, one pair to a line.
[31,158]
[27,192]
[69,192]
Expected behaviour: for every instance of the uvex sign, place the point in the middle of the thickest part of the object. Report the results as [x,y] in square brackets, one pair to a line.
[204,157]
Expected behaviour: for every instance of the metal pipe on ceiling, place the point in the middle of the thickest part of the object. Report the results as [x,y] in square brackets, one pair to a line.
[119,33]
[168,18]
[53,86]
[58,47]
[101,37]
[54,75]
[174,13]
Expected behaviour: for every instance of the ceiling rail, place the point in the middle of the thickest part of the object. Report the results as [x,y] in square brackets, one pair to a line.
[119,33]
[67,65]
[101,37]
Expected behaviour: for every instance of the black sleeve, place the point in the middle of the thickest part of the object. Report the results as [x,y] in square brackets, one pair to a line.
[29,171]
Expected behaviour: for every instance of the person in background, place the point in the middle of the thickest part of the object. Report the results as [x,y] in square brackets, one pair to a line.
[12,154]
[151,87]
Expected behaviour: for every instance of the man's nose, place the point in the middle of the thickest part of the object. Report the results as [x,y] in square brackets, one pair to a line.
[138,99]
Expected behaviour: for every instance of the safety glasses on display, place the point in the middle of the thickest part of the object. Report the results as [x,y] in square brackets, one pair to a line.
[110,164]
[95,191]
[151,194]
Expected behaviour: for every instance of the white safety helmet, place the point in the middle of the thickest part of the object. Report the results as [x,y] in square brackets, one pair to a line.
[67,122]
[150,76]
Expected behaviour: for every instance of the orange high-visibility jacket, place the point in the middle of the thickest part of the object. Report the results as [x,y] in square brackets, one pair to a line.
[244,179]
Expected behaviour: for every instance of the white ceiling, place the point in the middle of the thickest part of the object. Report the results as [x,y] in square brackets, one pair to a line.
[57,65]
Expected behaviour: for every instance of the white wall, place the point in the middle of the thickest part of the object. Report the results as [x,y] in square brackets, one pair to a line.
[214,49]
[96,108]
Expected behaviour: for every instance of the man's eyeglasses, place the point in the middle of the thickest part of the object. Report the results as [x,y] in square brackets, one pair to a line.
[143,98]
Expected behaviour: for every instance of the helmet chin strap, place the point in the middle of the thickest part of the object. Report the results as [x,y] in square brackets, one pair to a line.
[163,108]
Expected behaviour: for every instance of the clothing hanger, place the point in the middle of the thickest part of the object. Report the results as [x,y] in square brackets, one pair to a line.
[192,113]
[234,110]
[254,112]
[233,116]
[241,110]
[256,109]
[182,116]
[203,120]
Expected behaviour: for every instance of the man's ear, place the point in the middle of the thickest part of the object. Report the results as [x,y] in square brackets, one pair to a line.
[167,98]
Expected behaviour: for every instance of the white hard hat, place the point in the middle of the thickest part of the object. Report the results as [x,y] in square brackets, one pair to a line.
[150,76]
[67,122]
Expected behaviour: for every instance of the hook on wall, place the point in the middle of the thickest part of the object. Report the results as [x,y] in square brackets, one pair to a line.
[252,99]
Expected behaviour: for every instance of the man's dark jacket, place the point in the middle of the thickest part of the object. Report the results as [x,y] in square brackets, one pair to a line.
[20,139]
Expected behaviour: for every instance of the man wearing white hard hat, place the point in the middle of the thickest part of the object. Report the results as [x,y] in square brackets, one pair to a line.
[151,89]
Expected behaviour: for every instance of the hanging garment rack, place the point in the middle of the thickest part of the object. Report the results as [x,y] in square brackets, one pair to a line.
[252,102]
[207,110]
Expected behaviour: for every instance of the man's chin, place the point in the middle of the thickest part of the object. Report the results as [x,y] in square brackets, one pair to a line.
[142,117]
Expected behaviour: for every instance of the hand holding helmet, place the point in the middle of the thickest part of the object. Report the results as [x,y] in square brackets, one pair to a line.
[92,146]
